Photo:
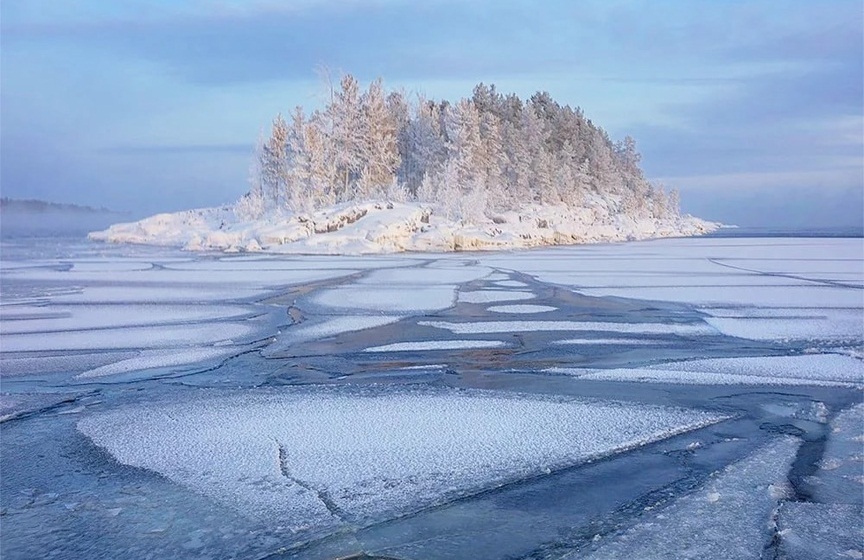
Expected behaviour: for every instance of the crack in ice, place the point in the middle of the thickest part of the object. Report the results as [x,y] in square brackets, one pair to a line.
[322,495]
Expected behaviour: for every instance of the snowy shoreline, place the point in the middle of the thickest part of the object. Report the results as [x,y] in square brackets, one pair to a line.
[391,227]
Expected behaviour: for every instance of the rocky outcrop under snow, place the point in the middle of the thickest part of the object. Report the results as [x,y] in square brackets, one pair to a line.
[389,227]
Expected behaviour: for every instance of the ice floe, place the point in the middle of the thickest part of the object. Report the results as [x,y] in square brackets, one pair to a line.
[316,458]
[526,308]
[330,326]
[490,296]
[437,345]
[133,337]
[30,319]
[489,327]
[728,519]
[384,299]
[652,375]
[163,358]
[840,477]
[809,530]
[817,367]
[784,324]
[603,341]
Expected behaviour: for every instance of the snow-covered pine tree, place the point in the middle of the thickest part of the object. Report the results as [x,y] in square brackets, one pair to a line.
[379,155]
[487,152]
[299,189]
[345,135]
[274,163]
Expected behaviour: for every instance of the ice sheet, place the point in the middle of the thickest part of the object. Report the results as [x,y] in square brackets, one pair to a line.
[437,345]
[785,324]
[812,530]
[23,319]
[745,295]
[490,296]
[728,519]
[702,271]
[600,341]
[332,326]
[168,275]
[64,363]
[818,367]
[840,477]
[159,294]
[424,276]
[132,337]
[162,358]
[418,299]
[488,327]
[521,308]
[376,452]
[647,375]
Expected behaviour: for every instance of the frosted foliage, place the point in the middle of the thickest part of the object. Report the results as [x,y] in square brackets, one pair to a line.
[470,163]
[273,455]
[728,519]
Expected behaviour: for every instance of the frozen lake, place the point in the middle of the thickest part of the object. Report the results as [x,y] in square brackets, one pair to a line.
[678,398]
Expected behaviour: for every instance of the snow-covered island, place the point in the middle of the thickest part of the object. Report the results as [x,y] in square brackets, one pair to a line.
[373,173]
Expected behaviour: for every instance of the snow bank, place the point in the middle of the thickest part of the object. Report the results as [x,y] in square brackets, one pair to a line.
[387,227]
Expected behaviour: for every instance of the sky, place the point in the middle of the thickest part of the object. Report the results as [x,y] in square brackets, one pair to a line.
[753,109]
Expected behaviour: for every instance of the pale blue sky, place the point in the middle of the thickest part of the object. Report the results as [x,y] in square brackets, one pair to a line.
[149,106]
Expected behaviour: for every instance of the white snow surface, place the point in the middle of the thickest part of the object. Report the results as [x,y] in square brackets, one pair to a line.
[31,319]
[810,530]
[602,341]
[727,519]
[814,370]
[490,296]
[526,308]
[436,345]
[162,358]
[818,367]
[376,452]
[331,326]
[489,327]
[755,288]
[164,336]
[386,227]
[646,375]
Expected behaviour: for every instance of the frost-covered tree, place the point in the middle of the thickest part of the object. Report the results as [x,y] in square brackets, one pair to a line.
[487,153]
[379,153]
[344,129]
[273,163]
